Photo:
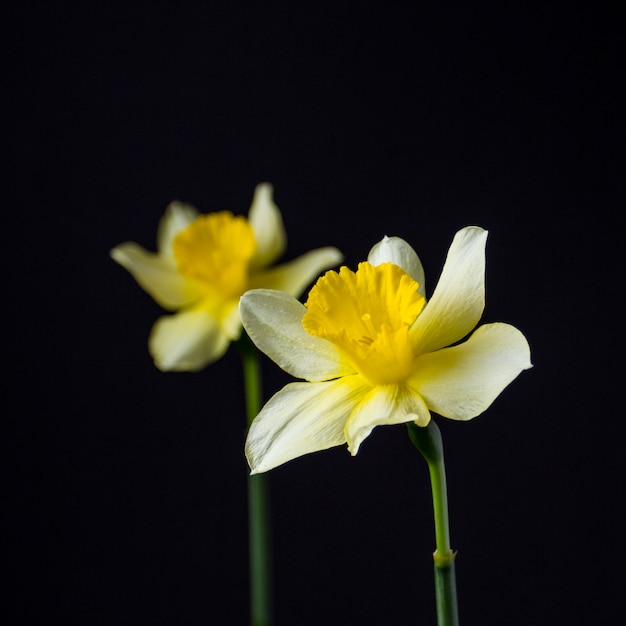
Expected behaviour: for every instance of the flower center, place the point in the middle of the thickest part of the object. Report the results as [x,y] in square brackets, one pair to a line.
[215,250]
[367,316]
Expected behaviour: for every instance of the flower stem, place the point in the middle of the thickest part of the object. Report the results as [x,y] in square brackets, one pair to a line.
[428,441]
[258,519]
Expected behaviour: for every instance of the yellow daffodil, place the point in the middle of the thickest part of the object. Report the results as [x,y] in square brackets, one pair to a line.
[204,263]
[375,352]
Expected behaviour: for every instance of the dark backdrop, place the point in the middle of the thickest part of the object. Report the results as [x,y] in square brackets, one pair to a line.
[126,486]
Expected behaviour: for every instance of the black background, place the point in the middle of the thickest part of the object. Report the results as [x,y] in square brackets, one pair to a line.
[126,487]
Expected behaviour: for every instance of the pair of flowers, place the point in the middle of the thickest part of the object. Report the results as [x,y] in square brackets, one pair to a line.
[372,349]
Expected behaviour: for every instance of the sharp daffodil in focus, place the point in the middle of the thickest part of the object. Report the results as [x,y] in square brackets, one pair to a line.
[204,263]
[375,352]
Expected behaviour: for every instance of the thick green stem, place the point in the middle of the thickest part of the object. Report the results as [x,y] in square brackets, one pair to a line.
[428,441]
[260,575]
[258,518]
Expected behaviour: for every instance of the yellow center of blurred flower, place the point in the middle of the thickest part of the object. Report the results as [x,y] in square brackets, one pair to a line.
[215,250]
[367,316]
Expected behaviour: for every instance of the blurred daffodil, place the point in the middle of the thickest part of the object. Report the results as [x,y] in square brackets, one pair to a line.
[204,263]
[375,352]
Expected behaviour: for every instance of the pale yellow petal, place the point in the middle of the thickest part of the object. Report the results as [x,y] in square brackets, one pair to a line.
[267,224]
[301,418]
[383,406]
[459,298]
[187,341]
[397,251]
[295,276]
[231,320]
[273,319]
[177,217]
[156,275]
[462,381]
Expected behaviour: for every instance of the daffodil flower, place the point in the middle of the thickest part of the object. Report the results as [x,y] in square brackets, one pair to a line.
[375,352]
[204,263]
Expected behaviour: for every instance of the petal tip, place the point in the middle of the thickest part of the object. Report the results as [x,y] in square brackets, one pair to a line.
[422,420]
[117,253]
[399,252]
[335,256]
[264,189]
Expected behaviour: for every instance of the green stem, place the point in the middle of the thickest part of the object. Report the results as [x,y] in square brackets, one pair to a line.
[258,518]
[428,441]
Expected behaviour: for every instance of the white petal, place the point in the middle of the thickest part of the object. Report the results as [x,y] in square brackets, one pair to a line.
[267,224]
[462,381]
[397,251]
[177,217]
[273,319]
[459,298]
[187,341]
[301,418]
[385,405]
[156,275]
[295,276]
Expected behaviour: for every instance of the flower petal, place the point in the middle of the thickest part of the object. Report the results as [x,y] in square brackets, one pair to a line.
[187,341]
[384,405]
[230,320]
[462,381]
[293,277]
[397,251]
[177,217]
[267,224]
[273,319]
[156,275]
[301,418]
[459,298]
